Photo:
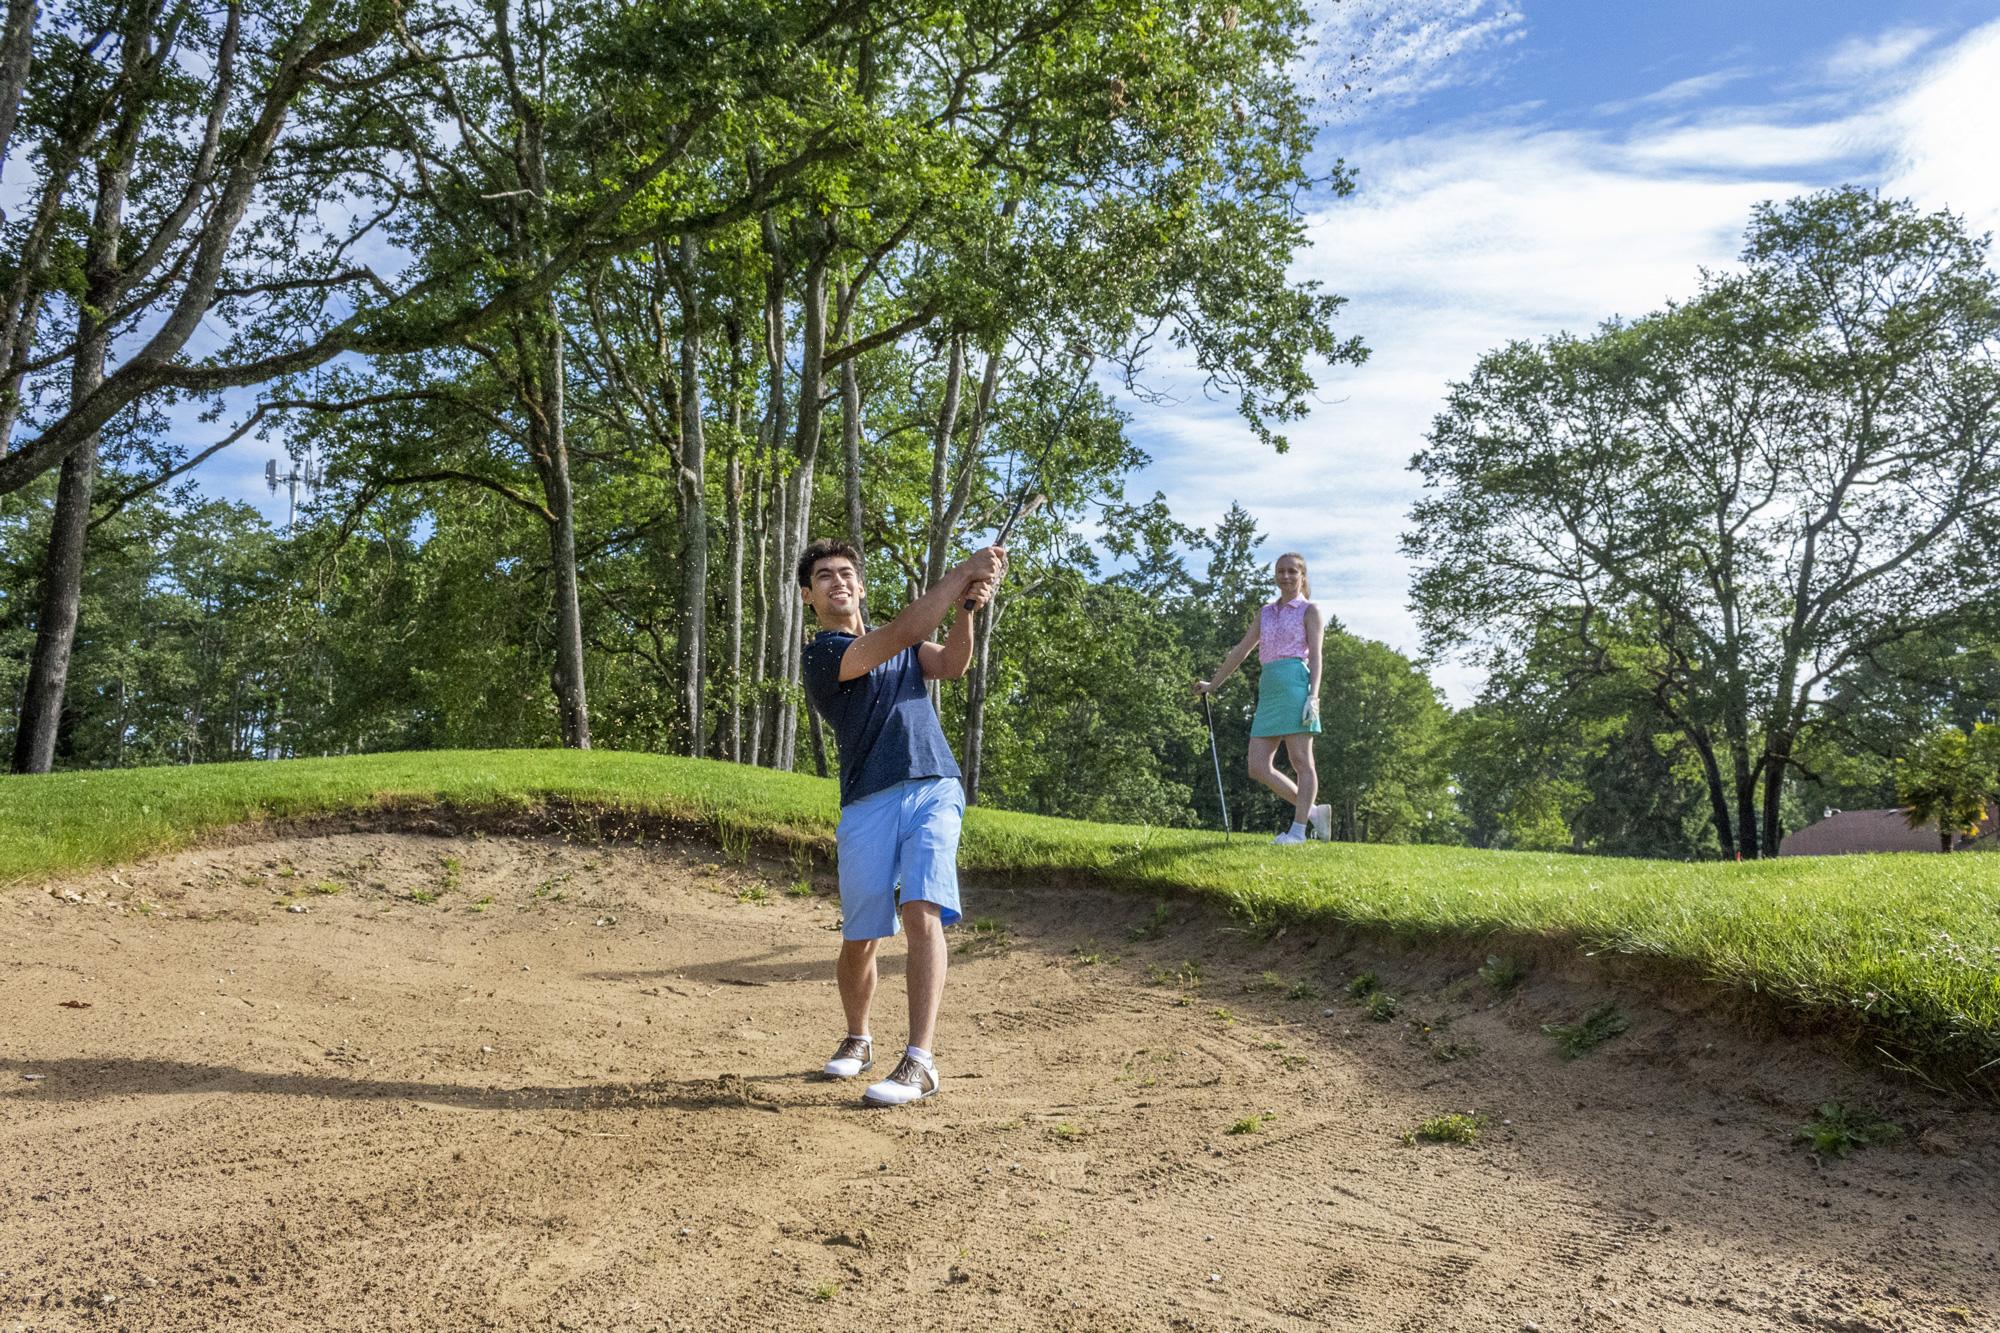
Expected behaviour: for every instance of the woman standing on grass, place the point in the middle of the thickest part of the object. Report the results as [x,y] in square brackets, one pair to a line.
[1286,634]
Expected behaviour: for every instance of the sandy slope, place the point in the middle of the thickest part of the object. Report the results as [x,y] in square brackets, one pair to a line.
[382,1114]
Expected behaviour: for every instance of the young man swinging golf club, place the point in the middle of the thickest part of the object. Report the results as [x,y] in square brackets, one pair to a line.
[900,799]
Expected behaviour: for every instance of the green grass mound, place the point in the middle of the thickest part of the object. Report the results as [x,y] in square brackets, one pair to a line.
[1903,951]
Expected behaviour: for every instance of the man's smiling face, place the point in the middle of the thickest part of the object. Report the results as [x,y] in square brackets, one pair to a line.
[834,592]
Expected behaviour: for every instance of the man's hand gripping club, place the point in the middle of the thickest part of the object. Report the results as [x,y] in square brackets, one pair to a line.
[972,581]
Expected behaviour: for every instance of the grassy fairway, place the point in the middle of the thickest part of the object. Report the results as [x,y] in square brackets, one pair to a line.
[1905,949]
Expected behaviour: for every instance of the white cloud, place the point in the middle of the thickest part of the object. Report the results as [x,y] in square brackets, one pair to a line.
[1866,57]
[1944,130]
[1691,89]
[1754,141]
[1393,51]
[1460,241]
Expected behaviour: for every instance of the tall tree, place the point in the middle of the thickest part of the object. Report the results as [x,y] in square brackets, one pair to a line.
[1741,496]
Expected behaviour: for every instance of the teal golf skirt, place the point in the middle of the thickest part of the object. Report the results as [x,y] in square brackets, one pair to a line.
[1281,698]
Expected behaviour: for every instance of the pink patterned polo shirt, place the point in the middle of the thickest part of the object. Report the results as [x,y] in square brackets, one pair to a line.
[1281,630]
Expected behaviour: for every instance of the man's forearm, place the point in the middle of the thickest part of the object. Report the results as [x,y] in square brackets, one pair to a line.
[919,620]
[957,648]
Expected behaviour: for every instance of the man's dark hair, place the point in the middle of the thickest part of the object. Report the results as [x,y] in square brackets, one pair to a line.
[822,549]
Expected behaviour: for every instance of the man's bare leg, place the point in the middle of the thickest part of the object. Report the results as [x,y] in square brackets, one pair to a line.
[856,972]
[924,925]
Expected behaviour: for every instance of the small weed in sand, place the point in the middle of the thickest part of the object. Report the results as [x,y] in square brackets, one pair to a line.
[423,896]
[756,893]
[1294,1061]
[1155,926]
[1090,953]
[1503,973]
[1381,1006]
[1836,1130]
[824,1292]
[1364,985]
[984,935]
[801,888]
[288,872]
[550,887]
[733,839]
[1302,990]
[325,886]
[1185,977]
[454,870]
[1225,1017]
[1452,1127]
[482,904]
[1250,1124]
[1430,1036]
[1591,1031]
[1065,1131]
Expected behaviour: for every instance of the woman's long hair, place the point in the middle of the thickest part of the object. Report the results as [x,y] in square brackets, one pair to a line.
[1305,584]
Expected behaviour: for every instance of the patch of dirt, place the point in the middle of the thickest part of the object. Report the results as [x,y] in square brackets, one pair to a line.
[521,1083]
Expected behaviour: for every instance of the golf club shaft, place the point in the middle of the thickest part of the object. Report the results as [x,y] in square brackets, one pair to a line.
[1208,713]
[1006,531]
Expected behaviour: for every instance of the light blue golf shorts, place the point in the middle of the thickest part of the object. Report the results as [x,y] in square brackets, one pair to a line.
[905,835]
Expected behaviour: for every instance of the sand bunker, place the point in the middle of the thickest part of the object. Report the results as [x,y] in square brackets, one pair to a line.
[391,1081]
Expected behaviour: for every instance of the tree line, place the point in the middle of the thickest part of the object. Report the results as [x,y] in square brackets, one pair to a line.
[585,317]
[612,267]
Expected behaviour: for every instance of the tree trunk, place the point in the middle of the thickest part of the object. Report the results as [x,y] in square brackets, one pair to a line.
[550,446]
[1777,762]
[1744,780]
[850,449]
[818,738]
[977,686]
[760,583]
[939,546]
[735,499]
[56,617]
[772,704]
[778,593]
[1718,796]
[62,570]
[694,515]
[16,54]
[812,350]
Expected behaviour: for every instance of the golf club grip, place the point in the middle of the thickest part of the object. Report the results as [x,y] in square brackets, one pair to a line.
[1000,538]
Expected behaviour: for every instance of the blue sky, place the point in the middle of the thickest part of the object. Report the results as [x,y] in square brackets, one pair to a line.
[1541,165]
[1528,166]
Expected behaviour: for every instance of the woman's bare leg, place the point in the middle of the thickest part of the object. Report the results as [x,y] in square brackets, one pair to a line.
[1300,749]
[1263,753]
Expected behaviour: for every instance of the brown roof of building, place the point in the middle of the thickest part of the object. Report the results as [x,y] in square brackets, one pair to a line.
[1873,831]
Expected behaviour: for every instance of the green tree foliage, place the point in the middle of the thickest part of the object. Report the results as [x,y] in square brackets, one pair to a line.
[1739,497]
[1949,781]
[1090,716]
[1382,754]
[182,652]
